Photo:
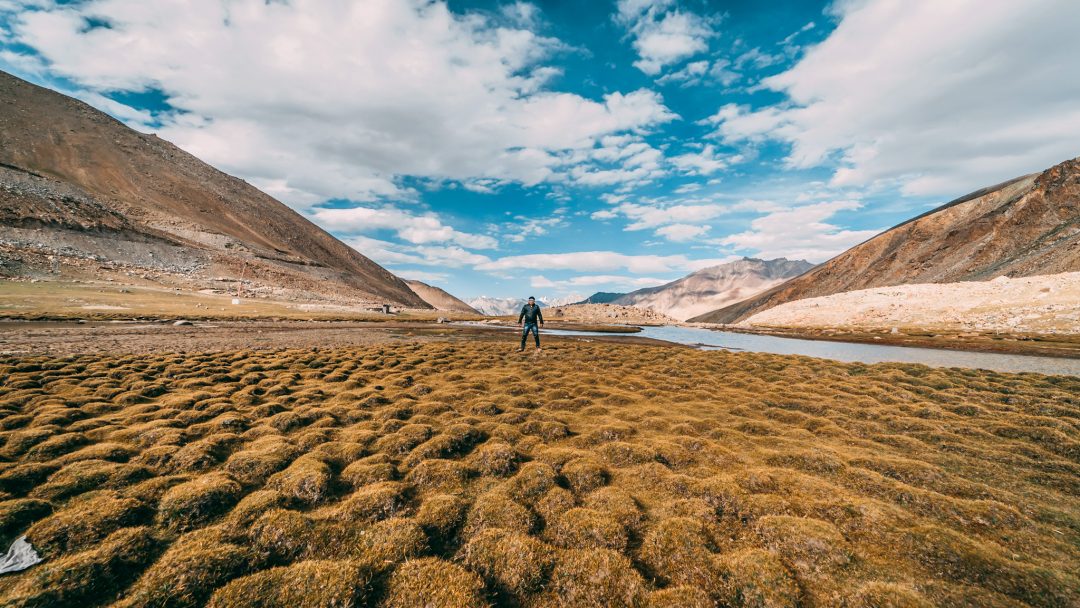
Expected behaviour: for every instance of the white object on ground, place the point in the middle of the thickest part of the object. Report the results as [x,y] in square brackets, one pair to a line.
[236,300]
[19,557]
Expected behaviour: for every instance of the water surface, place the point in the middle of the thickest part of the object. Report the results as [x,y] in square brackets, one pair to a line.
[851,352]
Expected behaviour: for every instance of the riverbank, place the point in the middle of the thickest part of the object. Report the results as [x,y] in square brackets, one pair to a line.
[1038,345]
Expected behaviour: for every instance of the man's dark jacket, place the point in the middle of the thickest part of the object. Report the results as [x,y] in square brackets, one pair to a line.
[531,314]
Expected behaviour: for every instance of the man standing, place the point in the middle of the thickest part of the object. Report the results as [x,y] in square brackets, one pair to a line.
[530,314]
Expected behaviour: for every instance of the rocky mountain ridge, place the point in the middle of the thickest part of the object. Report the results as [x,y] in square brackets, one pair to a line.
[714,287]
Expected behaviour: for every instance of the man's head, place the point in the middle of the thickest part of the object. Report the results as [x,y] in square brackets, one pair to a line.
[532,300]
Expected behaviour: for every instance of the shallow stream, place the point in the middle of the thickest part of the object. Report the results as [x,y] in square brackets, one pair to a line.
[848,351]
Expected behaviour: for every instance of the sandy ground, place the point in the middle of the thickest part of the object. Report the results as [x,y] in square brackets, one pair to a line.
[1047,304]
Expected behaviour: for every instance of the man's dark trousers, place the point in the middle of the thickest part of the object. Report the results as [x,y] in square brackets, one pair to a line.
[525,334]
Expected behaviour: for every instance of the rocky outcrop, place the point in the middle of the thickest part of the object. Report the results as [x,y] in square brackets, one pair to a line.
[612,314]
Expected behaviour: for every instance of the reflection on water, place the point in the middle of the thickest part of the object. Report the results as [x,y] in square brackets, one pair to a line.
[851,351]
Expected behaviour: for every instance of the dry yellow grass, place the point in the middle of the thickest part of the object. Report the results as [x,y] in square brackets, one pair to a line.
[589,475]
[102,300]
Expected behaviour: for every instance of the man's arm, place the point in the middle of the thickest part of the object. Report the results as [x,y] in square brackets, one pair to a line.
[522,315]
[539,315]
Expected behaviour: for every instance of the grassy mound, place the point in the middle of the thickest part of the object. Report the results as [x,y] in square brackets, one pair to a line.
[452,474]
[434,582]
[196,502]
[308,584]
[189,571]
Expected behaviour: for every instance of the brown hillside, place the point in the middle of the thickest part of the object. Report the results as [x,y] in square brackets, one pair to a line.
[1024,227]
[90,187]
[439,298]
[716,286]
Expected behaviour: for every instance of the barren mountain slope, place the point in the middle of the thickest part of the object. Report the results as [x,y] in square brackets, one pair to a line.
[1024,227]
[1048,304]
[439,299]
[602,297]
[713,287]
[83,181]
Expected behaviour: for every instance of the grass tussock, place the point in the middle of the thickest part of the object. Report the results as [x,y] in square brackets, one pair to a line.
[307,584]
[306,481]
[85,522]
[88,577]
[194,503]
[189,571]
[454,474]
[515,564]
[434,582]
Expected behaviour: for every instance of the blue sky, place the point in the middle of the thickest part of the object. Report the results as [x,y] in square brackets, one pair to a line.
[513,148]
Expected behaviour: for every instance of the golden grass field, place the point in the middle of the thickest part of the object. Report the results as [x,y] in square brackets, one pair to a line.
[459,474]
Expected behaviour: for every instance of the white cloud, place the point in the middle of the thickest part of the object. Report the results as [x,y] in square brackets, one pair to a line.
[318,100]
[522,14]
[662,37]
[451,256]
[800,233]
[541,282]
[387,253]
[523,228]
[653,216]
[705,162]
[691,73]
[607,280]
[687,188]
[417,229]
[758,59]
[680,221]
[592,261]
[698,72]
[945,97]
[421,275]
[610,177]
[622,160]
[383,252]
[681,233]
